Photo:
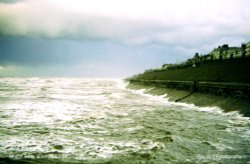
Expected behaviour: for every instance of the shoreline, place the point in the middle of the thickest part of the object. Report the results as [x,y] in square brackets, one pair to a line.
[227,104]
[223,83]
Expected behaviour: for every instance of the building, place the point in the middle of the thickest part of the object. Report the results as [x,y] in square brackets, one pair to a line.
[223,52]
[247,49]
[226,52]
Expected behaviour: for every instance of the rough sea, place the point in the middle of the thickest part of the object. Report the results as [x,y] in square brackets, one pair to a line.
[74,120]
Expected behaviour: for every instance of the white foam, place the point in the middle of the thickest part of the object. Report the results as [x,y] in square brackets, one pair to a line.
[209,109]
[94,111]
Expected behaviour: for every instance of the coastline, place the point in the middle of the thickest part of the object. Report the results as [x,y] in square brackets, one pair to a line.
[227,104]
[205,81]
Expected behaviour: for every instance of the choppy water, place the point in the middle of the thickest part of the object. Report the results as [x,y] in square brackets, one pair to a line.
[48,120]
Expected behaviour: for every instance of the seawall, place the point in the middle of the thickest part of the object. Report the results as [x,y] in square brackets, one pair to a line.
[237,90]
[223,83]
[225,102]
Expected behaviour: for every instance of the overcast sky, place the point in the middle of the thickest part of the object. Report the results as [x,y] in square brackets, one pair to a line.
[113,38]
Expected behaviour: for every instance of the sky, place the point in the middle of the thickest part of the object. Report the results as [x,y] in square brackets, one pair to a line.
[113,38]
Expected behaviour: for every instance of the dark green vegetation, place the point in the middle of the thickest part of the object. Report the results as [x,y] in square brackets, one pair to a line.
[223,80]
[235,70]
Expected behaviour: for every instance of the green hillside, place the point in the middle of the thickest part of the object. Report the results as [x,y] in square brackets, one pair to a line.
[231,70]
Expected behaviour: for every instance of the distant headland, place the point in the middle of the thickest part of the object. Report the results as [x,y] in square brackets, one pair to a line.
[219,78]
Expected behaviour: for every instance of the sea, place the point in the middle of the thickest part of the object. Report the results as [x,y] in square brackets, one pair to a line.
[79,120]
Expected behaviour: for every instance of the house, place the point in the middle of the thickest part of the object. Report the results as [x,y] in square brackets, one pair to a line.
[226,52]
[247,49]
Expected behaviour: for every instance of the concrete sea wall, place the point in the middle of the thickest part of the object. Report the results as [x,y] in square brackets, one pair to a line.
[239,90]
[229,97]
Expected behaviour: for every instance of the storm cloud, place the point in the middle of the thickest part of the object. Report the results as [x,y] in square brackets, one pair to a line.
[179,22]
[138,33]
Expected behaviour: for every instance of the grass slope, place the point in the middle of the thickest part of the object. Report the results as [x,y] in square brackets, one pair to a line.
[236,70]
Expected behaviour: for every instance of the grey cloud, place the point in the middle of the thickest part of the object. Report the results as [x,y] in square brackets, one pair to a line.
[10,1]
[198,28]
[58,24]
